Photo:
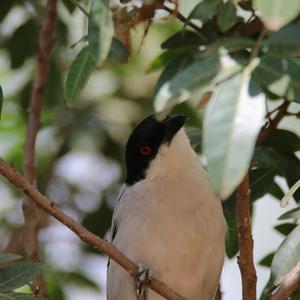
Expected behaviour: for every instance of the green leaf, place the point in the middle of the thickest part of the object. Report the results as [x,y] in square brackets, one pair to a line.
[290,167]
[283,141]
[291,214]
[267,260]
[79,73]
[162,60]
[179,63]
[1,100]
[118,52]
[286,257]
[276,191]
[183,39]
[204,10]
[15,276]
[100,30]
[18,296]
[277,13]
[265,158]
[8,257]
[226,15]
[279,76]
[232,121]
[286,228]
[18,49]
[232,242]
[233,43]
[261,182]
[285,42]
[180,87]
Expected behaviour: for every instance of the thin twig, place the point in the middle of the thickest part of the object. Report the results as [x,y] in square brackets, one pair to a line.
[288,286]
[86,236]
[273,123]
[30,210]
[245,259]
[81,7]
[258,44]
[186,21]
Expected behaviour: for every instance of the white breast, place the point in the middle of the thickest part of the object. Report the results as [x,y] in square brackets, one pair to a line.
[172,222]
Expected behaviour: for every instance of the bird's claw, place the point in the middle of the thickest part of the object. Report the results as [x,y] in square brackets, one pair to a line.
[144,274]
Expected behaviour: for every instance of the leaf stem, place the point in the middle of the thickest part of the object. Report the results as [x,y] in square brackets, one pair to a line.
[81,7]
[290,193]
[258,44]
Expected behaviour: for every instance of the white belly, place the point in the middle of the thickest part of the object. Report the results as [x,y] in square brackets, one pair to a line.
[180,239]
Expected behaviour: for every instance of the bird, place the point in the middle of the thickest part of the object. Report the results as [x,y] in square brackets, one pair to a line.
[167,219]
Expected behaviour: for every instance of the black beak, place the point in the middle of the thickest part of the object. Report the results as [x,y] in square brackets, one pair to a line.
[172,126]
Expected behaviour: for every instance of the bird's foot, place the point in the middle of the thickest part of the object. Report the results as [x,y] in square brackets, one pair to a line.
[144,274]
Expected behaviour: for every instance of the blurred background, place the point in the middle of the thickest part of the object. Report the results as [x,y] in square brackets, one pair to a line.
[80,146]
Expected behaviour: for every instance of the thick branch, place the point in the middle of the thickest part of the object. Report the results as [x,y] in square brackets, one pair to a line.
[30,210]
[86,236]
[245,259]
[288,286]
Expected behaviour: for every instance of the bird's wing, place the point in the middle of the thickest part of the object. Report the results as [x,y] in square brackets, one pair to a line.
[114,222]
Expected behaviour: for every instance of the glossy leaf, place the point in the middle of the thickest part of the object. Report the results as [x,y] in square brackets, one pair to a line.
[18,296]
[233,43]
[183,39]
[290,167]
[204,10]
[15,276]
[180,87]
[277,13]
[226,15]
[286,228]
[286,257]
[285,42]
[232,121]
[8,257]
[176,65]
[267,260]
[100,30]
[279,76]
[162,60]
[291,214]
[261,182]
[284,141]
[20,50]
[79,73]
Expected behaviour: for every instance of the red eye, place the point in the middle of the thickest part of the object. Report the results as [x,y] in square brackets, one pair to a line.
[145,150]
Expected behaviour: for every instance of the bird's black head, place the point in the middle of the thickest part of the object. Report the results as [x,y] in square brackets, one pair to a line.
[144,142]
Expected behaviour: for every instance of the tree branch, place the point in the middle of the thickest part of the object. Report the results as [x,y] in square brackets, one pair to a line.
[186,21]
[86,236]
[245,260]
[288,286]
[273,123]
[30,210]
